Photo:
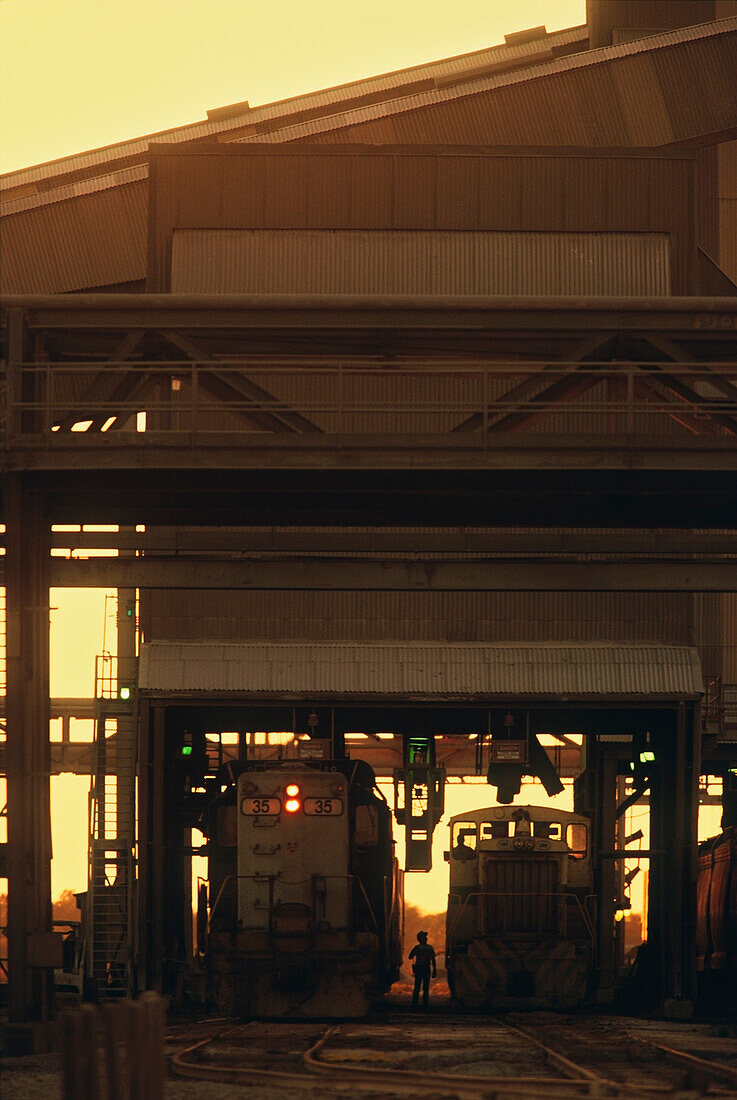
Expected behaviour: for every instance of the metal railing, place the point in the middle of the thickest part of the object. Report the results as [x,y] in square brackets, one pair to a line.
[540,905]
[272,880]
[55,403]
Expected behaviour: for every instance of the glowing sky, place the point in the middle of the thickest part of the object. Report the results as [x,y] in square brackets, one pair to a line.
[78,74]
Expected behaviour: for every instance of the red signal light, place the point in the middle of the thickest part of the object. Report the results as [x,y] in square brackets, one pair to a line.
[292,804]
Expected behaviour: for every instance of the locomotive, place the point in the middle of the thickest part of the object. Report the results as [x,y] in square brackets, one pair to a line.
[716,921]
[304,913]
[520,920]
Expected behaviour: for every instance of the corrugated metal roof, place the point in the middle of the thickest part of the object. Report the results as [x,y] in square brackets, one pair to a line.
[97,240]
[325,98]
[74,190]
[549,121]
[349,261]
[421,671]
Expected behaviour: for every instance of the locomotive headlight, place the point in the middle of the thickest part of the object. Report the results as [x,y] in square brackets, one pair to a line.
[292,804]
[292,790]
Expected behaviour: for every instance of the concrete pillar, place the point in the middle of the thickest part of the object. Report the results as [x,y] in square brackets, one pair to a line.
[33,950]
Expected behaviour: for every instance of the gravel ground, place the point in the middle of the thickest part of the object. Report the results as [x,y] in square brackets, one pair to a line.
[38,1077]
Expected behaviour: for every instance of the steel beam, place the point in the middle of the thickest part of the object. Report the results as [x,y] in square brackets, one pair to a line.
[428,576]
[30,940]
[605,874]
[502,451]
[350,540]
[705,316]
[673,829]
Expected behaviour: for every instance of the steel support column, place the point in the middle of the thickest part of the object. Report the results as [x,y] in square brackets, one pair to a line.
[674,829]
[32,947]
[605,874]
[150,899]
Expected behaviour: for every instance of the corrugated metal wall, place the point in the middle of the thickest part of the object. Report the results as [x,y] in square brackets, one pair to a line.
[354,261]
[604,17]
[728,208]
[708,620]
[707,632]
[291,188]
[729,637]
[90,240]
[450,616]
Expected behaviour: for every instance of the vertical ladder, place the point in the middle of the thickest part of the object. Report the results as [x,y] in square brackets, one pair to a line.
[112,834]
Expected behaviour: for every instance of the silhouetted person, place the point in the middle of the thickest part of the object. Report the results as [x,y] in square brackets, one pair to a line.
[463,850]
[423,956]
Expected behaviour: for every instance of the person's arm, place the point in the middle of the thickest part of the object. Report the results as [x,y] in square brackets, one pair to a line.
[434,965]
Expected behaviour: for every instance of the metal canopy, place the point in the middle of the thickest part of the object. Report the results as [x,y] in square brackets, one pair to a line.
[423,672]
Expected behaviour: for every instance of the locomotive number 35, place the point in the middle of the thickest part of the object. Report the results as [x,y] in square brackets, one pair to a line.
[258,807]
[323,807]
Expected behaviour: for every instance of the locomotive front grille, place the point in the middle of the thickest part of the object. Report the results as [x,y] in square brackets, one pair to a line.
[521,895]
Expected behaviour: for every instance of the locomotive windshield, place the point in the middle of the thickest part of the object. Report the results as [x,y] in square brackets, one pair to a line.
[465,840]
[520,824]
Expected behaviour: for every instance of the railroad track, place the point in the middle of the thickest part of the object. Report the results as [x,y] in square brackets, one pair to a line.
[445,1056]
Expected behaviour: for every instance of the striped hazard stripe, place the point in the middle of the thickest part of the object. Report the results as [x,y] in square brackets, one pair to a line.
[482,976]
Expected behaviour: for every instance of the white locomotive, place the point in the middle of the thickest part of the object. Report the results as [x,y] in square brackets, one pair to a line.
[305,895]
[520,921]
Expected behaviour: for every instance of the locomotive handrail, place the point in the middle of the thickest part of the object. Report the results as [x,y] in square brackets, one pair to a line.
[296,882]
[507,895]
[214,906]
[368,903]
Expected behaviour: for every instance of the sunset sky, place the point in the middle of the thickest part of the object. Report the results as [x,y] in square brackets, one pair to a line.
[78,74]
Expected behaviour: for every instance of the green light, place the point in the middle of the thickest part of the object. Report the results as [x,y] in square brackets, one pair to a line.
[186,750]
[124,693]
[647,757]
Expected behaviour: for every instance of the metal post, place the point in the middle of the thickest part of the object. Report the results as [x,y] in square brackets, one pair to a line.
[691,846]
[606,872]
[630,399]
[32,947]
[680,831]
[156,840]
[142,931]
[16,348]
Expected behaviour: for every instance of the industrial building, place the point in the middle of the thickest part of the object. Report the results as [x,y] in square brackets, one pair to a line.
[413,403]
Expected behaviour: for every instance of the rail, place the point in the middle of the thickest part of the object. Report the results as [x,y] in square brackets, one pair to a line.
[59,404]
[505,900]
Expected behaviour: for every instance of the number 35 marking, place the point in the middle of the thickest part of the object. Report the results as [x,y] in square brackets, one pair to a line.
[323,807]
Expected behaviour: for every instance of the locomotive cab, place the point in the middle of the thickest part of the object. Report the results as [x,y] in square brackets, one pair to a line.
[520,925]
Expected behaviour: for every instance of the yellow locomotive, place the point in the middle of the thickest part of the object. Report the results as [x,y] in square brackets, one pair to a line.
[520,921]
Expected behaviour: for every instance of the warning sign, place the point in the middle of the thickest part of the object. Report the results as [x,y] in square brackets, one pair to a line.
[509,752]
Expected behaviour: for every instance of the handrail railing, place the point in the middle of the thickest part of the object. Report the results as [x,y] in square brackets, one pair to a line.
[410,396]
[563,898]
[284,882]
